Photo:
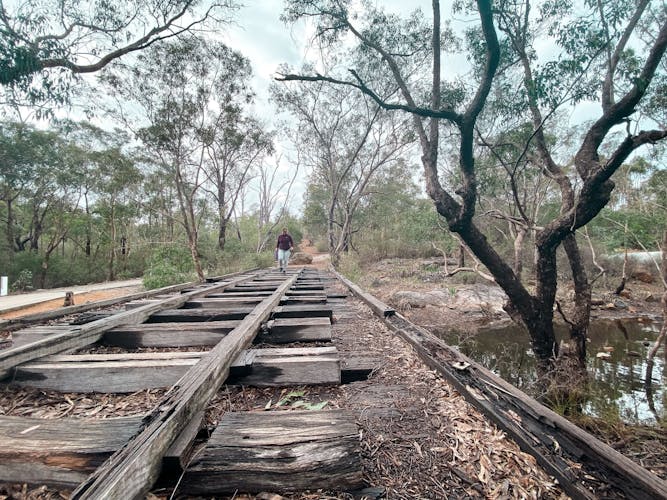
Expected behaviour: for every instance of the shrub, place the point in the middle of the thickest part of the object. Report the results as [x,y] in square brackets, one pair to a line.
[23,281]
[349,267]
[168,266]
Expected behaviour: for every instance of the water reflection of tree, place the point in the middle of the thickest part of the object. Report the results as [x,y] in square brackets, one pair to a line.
[617,387]
[648,379]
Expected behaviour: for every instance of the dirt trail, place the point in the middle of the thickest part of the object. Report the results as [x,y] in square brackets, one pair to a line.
[321,260]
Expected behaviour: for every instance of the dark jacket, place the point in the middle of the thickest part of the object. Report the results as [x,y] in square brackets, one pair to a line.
[284,242]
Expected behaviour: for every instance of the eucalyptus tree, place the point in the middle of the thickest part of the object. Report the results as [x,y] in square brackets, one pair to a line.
[19,145]
[345,140]
[44,43]
[274,195]
[38,175]
[191,93]
[108,187]
[439,101]
[236,146]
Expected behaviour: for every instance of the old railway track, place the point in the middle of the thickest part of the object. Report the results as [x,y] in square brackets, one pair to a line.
[189,341]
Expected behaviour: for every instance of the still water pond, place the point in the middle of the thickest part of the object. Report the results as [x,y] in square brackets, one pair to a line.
[617,384]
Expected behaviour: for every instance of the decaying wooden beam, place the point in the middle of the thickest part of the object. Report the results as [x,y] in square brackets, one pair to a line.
[285,330]
[378,307]
[291,366]
[131,471]
[59,452]
[278,451]
[200,315]
[169,334]
[110,373]
[230,294]
[131,372]
[303,311]
[179,453]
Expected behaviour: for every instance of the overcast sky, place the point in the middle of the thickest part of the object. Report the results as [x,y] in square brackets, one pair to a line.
[262,37]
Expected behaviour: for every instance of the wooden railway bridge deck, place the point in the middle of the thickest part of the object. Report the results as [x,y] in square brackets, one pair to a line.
[190,347]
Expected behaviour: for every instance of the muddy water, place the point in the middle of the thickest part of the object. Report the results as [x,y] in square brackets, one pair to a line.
[617,380]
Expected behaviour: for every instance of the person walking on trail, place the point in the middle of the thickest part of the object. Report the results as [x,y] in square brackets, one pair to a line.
[284,246]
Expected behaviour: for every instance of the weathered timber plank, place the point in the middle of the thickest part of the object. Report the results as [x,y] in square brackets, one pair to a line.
[134,304]
[292,366]
[110,373]
[214,302]
[33,334]
[253,288]
[304,299]
[226,304]
[104,376]
[83,335]
[239,294]
[131,372]
[169,334]
[131,471]
[307,287]
[302,311]
[59,452]
[179,453]
[278,451]
[285,330]
[199,315]
[378,307]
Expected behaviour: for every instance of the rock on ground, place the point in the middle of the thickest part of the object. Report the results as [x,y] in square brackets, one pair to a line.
[465,298]
[301,258]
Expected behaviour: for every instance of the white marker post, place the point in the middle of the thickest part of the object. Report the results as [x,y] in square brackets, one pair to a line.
[3,286]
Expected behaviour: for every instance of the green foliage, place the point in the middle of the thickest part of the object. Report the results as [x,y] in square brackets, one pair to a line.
[349,266]
[168,265]
[644,228]
[46,43]
[293,399]
[23,281]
